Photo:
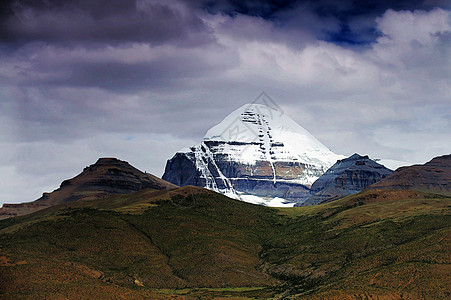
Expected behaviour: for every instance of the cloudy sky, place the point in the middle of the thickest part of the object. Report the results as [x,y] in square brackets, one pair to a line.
[141,79]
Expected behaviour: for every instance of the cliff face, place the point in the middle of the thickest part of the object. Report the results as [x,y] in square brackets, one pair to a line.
[181,170]
[345,177]
[255,150]
[108,176]
[232,177]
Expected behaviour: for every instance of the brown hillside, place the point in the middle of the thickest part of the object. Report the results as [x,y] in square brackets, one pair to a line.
[108,176]
[434,176]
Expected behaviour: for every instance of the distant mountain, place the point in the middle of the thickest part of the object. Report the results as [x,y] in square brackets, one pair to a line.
[255,150]
[347,176]
[108,176]
[434,176]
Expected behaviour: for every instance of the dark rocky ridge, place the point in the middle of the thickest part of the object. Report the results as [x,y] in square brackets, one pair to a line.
[181,170]
[347,176]
[108,176]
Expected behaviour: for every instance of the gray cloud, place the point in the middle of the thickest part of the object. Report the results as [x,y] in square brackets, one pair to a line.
[102,22]
[180,22]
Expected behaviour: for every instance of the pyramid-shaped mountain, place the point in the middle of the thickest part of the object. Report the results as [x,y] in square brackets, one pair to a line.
[256,150]
[347,176]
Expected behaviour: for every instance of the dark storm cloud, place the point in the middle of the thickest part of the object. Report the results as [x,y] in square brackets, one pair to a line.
[119,21]
[123,70]
[354,19]
[110,22]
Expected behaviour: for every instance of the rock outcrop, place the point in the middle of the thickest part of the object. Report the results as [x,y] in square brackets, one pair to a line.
[347,176]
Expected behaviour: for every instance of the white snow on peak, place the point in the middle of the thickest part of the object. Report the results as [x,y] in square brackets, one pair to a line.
[269,135]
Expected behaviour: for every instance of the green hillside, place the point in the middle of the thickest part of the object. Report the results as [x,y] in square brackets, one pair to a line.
[190,243]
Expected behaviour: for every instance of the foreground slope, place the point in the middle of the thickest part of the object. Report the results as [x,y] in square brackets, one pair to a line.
[108,176]
[378,243]
[186,237]
[190,243]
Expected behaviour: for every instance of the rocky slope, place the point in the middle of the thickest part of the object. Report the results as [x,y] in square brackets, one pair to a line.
[255,150]
[347,176]
[108,176]
[434,176]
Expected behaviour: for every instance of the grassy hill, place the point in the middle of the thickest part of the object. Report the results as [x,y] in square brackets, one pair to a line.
[190,243]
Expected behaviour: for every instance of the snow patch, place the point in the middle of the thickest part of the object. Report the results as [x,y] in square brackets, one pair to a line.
[275,202]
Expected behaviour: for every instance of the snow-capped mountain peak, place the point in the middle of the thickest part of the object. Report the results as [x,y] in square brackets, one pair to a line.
[269,134]
[256,150]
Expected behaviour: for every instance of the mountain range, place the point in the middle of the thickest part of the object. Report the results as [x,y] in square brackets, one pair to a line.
[256,154]
[259,155]
[390,241]
[113,231]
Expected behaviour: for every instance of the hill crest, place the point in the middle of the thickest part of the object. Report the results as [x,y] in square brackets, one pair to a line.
[108,176]
[433,176]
